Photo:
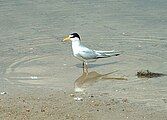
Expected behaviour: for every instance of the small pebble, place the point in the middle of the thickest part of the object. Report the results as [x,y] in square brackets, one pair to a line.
[125,100]
[139,46]
[64,64]
[125,34]
[31,48]
[42,110]
[28,110]
[3,93]
[78,99]
[91,96]
[72,95]
[34,77]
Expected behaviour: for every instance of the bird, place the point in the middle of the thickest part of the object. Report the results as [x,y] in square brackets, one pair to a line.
[84,53]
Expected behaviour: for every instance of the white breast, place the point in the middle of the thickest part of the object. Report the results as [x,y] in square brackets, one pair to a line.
[76,47]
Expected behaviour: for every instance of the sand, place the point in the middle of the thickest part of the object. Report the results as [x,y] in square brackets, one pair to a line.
[39,76]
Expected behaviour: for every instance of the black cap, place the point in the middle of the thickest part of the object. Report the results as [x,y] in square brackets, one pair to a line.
[75,35]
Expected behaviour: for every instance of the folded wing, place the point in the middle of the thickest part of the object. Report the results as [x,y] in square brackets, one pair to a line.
[105,54]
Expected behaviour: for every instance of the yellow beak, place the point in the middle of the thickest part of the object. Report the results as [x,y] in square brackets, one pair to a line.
[66,38]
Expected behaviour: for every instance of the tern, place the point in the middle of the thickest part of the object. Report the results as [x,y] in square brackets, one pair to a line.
[85,54]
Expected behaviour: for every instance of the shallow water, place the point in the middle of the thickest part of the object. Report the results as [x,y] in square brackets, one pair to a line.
[32,53]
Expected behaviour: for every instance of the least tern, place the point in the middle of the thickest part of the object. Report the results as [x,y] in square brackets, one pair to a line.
[85,54]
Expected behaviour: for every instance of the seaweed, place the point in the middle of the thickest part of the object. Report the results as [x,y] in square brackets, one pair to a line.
[148,74]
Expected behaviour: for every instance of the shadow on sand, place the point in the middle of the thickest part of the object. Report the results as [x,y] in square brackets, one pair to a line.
[95,65]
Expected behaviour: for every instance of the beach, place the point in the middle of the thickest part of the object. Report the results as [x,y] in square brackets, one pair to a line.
[39,75]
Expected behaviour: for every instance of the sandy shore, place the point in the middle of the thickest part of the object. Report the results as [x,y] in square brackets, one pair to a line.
[38,74]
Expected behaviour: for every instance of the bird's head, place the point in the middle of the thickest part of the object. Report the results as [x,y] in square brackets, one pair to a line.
[72,37]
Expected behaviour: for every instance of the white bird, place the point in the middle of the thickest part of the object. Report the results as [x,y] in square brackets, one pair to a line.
[85,54]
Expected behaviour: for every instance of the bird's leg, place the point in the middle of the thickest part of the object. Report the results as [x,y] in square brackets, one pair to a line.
[85,67]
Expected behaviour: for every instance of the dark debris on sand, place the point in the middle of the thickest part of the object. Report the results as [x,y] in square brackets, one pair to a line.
[148,74]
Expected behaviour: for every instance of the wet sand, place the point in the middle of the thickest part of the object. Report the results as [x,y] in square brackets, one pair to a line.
[40,76]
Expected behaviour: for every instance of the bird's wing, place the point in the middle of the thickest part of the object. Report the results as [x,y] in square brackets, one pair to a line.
[104,54]
[88,54]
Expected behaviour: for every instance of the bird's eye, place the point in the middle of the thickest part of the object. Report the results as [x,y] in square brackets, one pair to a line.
[71,36]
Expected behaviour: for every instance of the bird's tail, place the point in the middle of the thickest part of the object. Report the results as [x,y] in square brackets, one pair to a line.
[105,54]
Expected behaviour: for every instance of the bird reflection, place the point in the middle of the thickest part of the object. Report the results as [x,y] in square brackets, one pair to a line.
[88,78]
